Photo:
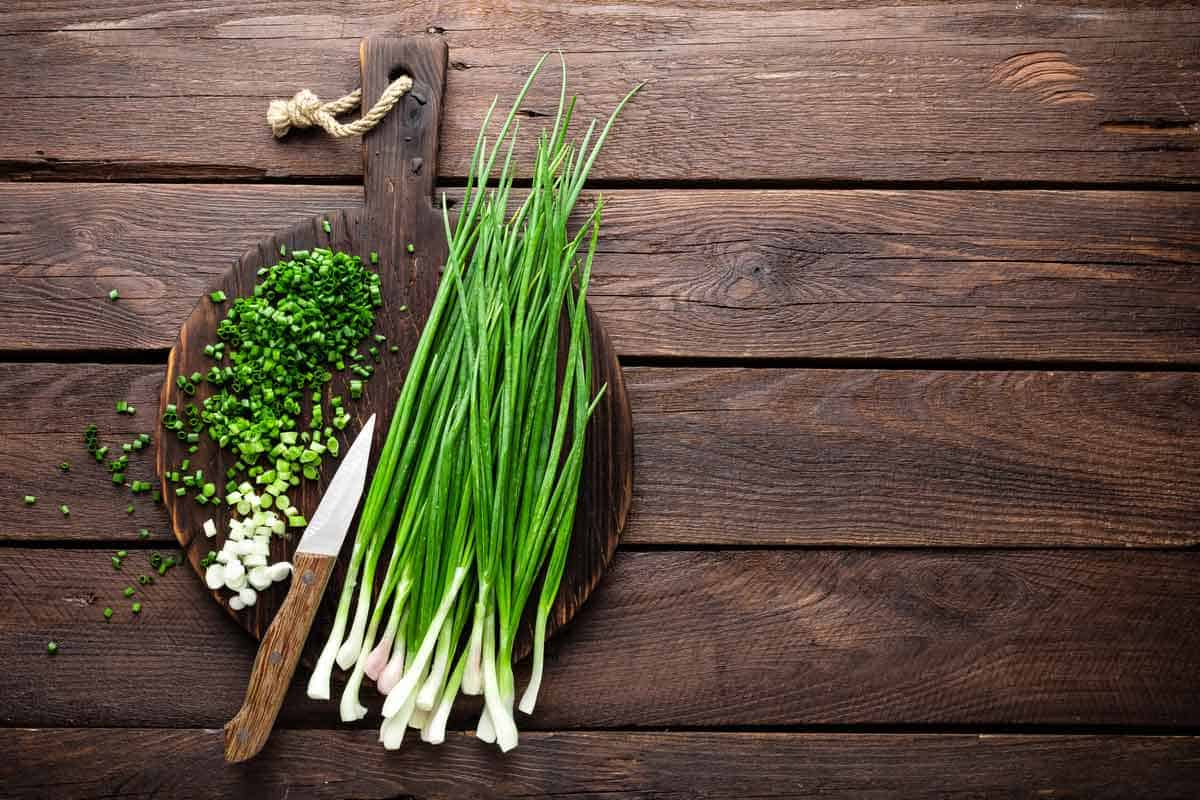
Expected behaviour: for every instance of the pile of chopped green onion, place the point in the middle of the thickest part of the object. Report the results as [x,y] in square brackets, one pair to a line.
[277,349]
[477,483]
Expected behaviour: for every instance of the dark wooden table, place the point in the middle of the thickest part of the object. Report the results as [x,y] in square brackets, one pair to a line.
[908,303]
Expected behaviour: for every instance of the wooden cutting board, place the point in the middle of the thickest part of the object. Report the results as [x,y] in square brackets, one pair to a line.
[400,156]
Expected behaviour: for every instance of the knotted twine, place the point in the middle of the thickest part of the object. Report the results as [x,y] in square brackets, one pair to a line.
[305,110]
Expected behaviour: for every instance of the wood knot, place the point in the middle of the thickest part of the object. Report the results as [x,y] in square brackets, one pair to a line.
[1047,74]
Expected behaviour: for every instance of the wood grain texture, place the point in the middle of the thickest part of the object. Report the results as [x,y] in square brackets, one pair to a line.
[950,91]
[1013,275]
[278,654]
[867,457]
[684,639]
[185,764]
[759,457]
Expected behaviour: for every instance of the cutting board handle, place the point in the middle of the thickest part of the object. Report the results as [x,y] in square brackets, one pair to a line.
[400,153]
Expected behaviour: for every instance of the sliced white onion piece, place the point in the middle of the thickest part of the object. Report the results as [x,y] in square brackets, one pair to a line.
[214,576]
[259,578]
[279,571]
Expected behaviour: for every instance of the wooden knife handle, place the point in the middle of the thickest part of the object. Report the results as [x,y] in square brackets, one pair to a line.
[278,654]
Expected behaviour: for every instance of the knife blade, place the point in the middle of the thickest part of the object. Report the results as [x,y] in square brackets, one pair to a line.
[329,524]
[312,564]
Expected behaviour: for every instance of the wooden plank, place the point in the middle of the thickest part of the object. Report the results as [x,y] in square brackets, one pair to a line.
[693,639]
[140,763]
[867,457]
[950,91]
[1048,276]
[757,456]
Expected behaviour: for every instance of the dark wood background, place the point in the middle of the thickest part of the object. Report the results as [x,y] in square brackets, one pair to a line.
[908,303]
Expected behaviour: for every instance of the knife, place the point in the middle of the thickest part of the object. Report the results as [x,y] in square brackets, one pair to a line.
[312,564]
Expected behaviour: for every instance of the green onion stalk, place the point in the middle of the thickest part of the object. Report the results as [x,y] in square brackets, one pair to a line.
[380,507]
[477,484]
[530,266]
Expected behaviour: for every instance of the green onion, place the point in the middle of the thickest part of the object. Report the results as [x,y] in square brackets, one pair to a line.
[51,647]
[477,481]
[113,294]
[108,612]
[30,499]
[305,315]
[65,466]
[409,247]
[129,591]
[66,512]
[218,296]
[136,608]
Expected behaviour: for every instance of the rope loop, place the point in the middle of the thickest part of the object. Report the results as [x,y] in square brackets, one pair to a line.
[305,110]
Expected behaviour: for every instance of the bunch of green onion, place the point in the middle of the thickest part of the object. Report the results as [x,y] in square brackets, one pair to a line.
[476,486]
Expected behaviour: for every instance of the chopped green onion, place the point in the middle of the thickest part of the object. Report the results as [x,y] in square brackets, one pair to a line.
[65,466]
[136,608]
[129,591]
[374,257]
[66,512]
[143,533]
[218,296]
[51,647]
[113,294]
[325,225]
[409,247]
[108,612]
[30,499]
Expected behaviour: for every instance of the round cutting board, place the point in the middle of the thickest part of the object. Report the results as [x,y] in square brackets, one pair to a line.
[400,165]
